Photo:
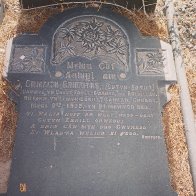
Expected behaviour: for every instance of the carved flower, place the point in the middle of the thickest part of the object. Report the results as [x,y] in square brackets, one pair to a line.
[118,47]
[111,34]
[67,33]
[91,35]
[65,50]
[151,62]
[155,59]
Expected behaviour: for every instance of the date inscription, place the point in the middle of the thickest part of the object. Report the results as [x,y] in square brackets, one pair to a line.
[94,107]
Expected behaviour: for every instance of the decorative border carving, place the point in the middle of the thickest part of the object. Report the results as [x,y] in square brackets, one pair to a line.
[28,59]
[151,61]
[90,36]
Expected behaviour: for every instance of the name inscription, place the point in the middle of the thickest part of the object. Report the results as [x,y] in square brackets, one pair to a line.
[89,106]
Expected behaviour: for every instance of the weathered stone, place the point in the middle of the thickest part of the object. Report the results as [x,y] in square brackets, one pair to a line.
[91,92]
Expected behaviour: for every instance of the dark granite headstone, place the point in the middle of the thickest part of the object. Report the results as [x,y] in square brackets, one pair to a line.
[90,96]
[131,4]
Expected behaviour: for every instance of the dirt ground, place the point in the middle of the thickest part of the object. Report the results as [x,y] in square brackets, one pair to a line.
[17,21]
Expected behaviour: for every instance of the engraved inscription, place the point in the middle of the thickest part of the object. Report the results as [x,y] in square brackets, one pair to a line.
[28,59]
[90,109]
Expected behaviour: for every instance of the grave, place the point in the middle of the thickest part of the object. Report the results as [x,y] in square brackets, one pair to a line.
[89,93]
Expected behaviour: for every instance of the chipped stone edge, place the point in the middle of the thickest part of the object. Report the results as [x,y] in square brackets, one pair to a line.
[168,95]
[171,75]
[7,57]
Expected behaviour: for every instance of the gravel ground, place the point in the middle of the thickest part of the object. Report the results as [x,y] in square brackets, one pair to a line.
[186,19]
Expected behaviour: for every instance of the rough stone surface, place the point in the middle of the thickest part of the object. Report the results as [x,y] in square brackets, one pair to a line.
[91,92]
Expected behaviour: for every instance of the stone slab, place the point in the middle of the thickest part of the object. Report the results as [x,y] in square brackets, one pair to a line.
[89,92]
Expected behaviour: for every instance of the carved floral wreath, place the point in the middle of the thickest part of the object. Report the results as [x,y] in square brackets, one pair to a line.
[96,38]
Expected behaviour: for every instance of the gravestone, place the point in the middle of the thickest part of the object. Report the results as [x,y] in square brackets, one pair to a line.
[89,92]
